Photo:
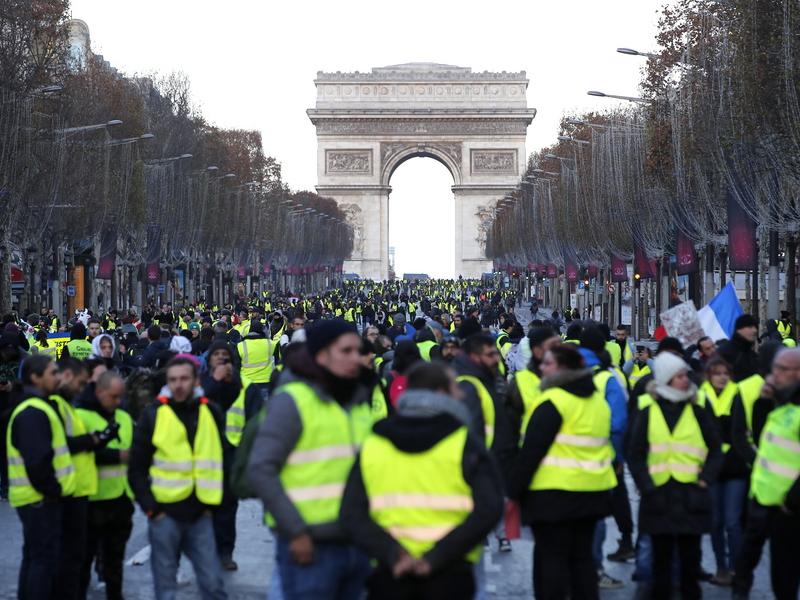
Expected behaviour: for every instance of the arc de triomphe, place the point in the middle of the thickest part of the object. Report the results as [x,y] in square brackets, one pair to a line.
[370,123]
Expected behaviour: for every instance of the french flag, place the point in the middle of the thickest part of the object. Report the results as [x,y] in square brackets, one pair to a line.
[719,316]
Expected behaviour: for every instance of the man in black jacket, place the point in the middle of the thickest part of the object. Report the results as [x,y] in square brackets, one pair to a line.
[738,351]
[427,414]
[182,525]
[31,434]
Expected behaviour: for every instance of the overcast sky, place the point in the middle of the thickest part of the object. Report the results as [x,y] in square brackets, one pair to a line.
[252,64]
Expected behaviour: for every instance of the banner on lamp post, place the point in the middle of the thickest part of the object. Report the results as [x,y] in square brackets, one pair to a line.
[153,259]
[742,251]
[619,270]
[108,254]
[685,255]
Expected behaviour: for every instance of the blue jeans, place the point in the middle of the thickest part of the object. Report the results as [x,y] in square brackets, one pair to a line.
[643,572]
[479,572]
[339,572]
[597,543]
[728,498]
[168,538]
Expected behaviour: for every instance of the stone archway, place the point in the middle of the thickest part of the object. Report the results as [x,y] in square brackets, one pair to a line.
[370,123]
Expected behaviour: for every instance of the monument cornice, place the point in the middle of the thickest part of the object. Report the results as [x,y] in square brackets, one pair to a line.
[421,77]
[421,113]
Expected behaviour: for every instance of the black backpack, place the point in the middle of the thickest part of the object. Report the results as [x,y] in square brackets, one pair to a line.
[238,477]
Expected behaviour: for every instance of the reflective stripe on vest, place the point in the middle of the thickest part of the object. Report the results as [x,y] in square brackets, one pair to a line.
[777,466]
[528,385]
[580,457]
[256,359]
[85,467]
[20,491]
[678,454]
[79,349]
[235,418]
[487,406]
[417,497]
[112,480]
[179,468]
[317,468]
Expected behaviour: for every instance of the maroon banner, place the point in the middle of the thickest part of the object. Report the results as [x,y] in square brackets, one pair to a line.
[592,271]
[153,258]
[571,269]
[642,265]
[685,255]
[108,254]
[541,270]
[742,251]
[552,271]
[619,270]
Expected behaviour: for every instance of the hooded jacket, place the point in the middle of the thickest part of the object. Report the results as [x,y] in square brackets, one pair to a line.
[423,419]
[553,505]
[617,401]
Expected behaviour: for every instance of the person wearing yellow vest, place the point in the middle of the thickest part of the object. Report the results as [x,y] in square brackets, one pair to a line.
[41,476]
[625,346]
[176,473]
[564,475]
[110,507]
[775,485]
[674,456]
[82,444]
[478,374]
[423,494]
[42,346]
[523,390]
[239,400]
[730,491]
[255,352]
[758,395]
[426,343]
[640,366]
[301,457]
[77,347]
[784,325]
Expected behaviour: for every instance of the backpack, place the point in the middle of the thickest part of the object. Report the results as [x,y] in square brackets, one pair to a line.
[239,483]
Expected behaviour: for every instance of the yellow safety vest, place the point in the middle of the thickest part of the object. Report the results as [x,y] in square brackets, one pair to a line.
[112,480]
[487,406]
[721,403]
[785,329]
[637,373]
[678,454]
[46,350]
[180,467]
[528,385]
[257,359]
[614,352]
[85,468]
[580,458]
[79,349]
[419,497]
[378,404]
[20,491]
[235,417]
[317,468]
[777,465]
[425,349]
[749,392]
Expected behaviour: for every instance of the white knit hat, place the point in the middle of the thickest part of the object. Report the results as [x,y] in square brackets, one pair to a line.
[665,366]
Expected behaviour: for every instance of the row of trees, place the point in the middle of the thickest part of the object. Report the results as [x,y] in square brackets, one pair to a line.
[125,177]
[704,166]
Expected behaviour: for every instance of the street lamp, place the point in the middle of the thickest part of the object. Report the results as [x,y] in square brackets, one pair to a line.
[566,138]
[543,172]
[159,161]
[626,98]
[98,126]
[632,52]
[143,137]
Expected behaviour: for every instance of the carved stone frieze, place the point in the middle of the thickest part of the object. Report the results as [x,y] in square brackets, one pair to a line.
[348,161]
[493,162]
[422,126]
[355,218]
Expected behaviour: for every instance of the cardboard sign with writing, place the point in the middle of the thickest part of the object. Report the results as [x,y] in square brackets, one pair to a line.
[683,323]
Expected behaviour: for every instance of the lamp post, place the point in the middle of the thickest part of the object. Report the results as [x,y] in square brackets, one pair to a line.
[598,94]
[632,52]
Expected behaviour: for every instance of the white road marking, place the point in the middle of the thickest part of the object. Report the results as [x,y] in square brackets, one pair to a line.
[141,557]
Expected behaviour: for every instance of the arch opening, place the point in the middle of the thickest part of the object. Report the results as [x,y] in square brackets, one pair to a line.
[421,217]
